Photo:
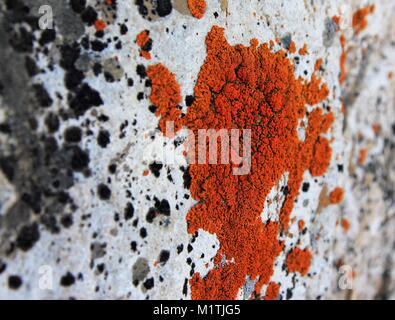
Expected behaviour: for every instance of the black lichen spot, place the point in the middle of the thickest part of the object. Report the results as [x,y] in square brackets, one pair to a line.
[42,95]
[73,134]
[14,282]
[89,16]
[162,206]
[47,36]
[103,139]
[164,256]
[149,283]
[67,221]
[143,233]
[305,187]
[164,7]
[187,179]
[78,5]
[141,71]
[189,100]
[67,280]
[180,248]
[27,237]
[79,159]
[52,122]
[155,168]
[129,211]
[151,215]
[103,191]
[85,99]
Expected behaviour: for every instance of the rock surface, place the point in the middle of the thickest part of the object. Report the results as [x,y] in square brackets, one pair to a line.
[90,209]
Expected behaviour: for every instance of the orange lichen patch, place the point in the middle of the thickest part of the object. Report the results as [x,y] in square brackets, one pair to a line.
[299,260]
[165,94]
[376,128]
[345,224]
[303,51]
[390,75]
[144,41]
[363,153]
[336,196]
[318,64]
[359,21]
[109,2]
[292,47]
[272,291]
[301,225]
[197,8]
[145,173]
[100,25]
[343,60]
[246,87]
[336,19]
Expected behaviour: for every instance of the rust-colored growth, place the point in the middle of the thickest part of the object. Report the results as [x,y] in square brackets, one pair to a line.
[303,51]
[144,41]
[272,291]
[359,20]
[345,224]
[197,8]
[336,196]
[343,60]
[253,88]
[299,260]
[363,154]
[165,94]
[301,225]
[292,47]
[100,25]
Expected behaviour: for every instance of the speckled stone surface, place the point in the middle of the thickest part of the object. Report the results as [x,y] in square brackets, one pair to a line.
[88,207]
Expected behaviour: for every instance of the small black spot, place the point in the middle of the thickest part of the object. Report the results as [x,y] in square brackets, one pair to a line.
[89,16]
[104,191]
[180,248]
[47,36]
[189,100]
[141,71]
[78,5]
[155,168]
[79,160]
[143,233]
[27,237]
[133,246]
[67,221]
[164,7]
[149,283]
[14,282]
[67,280]
[73,134]
[52,122]
[164,256]
[42,95]
[123,29]
[163,206]
[85,99]
[305,186]
[103,139]
[187,179]
[129,211]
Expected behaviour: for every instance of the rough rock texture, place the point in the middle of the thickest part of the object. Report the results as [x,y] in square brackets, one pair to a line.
[90,209]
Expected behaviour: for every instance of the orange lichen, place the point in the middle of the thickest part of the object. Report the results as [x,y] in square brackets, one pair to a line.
[272,291]
[345,224]
[363,153]
[246,87]
[165,94]
[359,21]
[292,47]
[336,196]
[301,225]
[100,25]
[299,260]
[144,41]
[303,51]
[343,60]
[197,8]
[318,64]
